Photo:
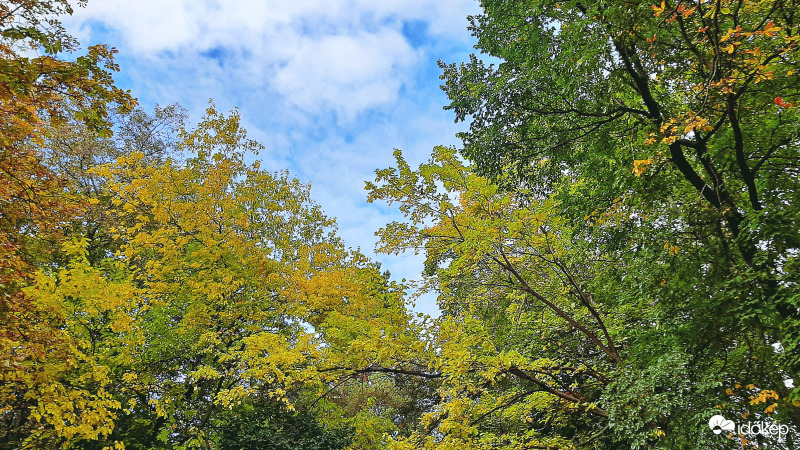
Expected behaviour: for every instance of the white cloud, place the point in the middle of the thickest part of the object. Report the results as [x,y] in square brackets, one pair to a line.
[157,25]
[346,55]
[350,73]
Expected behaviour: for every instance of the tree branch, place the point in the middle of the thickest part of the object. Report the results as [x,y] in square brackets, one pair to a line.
[741,161]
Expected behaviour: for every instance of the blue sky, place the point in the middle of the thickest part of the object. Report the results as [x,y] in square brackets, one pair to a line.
[330,87]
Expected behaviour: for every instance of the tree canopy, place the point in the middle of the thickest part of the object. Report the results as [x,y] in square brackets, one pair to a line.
[667,134]
[614,251]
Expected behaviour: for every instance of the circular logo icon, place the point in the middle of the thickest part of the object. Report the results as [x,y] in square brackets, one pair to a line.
[718,424]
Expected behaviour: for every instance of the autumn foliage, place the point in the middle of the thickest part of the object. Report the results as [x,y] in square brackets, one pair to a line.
[614,251]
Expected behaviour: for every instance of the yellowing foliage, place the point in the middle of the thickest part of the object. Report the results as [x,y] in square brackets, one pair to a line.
[220,283]
[228,283]
[37,89]
[502,266]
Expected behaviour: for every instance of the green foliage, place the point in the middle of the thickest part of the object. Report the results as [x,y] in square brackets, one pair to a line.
[267,424]
[526,348]
[667,135]
[616,260]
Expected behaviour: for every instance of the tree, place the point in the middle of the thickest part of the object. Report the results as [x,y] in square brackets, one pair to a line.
[546,340]
[35,92]
[669,135]
[42,87]
[201,283]
[526,350]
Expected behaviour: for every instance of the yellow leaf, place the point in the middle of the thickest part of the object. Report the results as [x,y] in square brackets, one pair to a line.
[727,35]
[640,165]
[659,9]
[669,139]
[771,28]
